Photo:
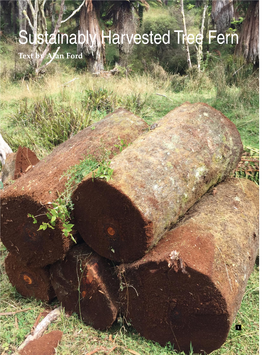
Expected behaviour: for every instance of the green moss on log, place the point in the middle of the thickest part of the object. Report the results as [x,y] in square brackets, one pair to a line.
[156,180]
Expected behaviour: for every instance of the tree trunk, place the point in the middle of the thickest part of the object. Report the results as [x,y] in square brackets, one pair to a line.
[53,15]
[85,284]
[22,6]
[125,25]
[222,14]
[29,282]
[198,3]
[248,44]
[94,52]
[189,288]
[200,46]
[185,36]
[34,192]
[14,16]
[6,20]
[155,181]
[140,13]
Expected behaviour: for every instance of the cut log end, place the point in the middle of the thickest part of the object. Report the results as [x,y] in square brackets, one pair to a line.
[170,304]
[113,227]
[47,245]
[29,282]
[84,284]
[43,345]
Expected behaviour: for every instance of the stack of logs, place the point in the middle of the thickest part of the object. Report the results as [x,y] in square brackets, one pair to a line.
[169,241]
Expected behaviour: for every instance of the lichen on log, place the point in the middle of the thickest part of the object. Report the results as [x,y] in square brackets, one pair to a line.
[155,181]
[190,286]
[28,281]
[85,283]
[34,192]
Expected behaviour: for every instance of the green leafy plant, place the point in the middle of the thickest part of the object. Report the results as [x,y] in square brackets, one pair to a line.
[122,145]
[62,207]
[104,171]
[60,210]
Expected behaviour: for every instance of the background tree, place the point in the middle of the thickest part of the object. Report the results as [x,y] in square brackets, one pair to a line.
[126,16]
[9,16]
[53,14]
[199,55]
[222,14]
[125,23]
[185,35]
[248,44]
[38,25]
[22,6]
[89,21]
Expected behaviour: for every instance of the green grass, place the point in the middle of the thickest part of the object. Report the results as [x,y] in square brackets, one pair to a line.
[41,121]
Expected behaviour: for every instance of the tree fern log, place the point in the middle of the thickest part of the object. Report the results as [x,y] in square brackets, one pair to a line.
[34,192]
[189,288]
[155,181]
[85,284]
[28,281]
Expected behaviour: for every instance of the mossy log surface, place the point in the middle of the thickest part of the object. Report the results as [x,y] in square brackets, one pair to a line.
[190,286]
[155,181]
[28,281]
[85,283]
[34,192]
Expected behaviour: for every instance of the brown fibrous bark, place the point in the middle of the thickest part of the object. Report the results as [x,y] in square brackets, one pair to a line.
[155,181]
[190,286]
[248,44]
[89,24]
[18,163]
[34,192]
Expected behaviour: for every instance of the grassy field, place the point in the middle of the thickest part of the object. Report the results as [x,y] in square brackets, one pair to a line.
[41,113]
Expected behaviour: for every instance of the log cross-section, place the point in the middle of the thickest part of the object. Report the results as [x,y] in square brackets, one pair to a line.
[86,283]
[28,281]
